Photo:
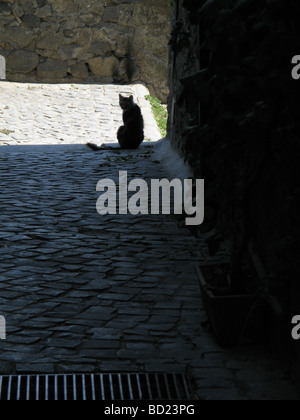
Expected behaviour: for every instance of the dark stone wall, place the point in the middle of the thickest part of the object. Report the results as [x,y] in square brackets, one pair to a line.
[112,41]
[234,116]
[184,61]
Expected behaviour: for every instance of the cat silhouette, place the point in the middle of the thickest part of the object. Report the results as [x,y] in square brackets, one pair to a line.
[131,134]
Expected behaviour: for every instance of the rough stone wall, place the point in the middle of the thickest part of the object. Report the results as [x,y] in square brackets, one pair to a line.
[109,41]
[184,60]
[234,111]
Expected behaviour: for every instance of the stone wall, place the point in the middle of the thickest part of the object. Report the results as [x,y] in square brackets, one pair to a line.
[233,115]
[109,41]
[184,61]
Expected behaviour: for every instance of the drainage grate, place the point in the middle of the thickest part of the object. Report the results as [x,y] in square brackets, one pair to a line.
[103,387]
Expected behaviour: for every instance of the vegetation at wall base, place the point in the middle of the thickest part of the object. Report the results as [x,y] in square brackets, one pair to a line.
[160,113]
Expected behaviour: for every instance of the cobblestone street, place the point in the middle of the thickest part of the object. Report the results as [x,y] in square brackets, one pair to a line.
[66,114]
[88,293]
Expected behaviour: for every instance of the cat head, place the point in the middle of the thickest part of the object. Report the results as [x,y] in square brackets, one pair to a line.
[126,103]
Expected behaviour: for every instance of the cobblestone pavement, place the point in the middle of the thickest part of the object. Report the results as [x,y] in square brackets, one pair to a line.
[88,293]
[66,114]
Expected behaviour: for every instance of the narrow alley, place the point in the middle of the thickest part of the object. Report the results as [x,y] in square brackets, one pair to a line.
[84,293]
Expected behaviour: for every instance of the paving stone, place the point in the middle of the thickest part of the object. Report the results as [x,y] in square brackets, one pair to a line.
[32,368]
[212,394]
[112,297]
[97,313]
[118,366]
[14,339]
[101,344]
[63,343]
[76,368]
[138,353]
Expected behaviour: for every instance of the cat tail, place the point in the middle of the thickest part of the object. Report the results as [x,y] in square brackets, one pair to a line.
[94,146]
[97,148]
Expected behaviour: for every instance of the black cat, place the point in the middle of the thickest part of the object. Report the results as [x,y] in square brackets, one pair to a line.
[131,134]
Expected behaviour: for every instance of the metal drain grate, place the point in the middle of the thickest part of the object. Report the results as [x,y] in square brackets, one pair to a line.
[103,387]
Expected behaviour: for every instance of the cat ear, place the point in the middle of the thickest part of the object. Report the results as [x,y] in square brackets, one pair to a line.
[131,98]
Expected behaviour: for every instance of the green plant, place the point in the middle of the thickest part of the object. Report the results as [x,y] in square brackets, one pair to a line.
[160,113]
[6,131]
